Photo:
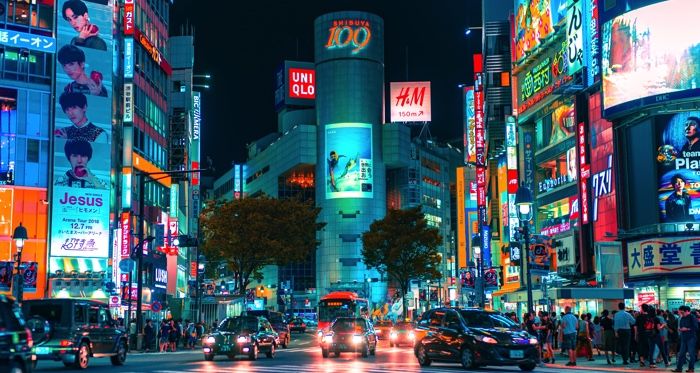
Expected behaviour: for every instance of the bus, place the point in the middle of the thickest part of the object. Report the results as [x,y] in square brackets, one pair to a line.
[339,304]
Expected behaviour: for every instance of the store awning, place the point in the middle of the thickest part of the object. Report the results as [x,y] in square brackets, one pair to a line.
[592,293]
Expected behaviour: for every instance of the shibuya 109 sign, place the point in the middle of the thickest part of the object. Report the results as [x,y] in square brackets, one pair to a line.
[354,34]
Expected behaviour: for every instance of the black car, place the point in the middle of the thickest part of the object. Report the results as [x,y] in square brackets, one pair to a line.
[349,334]
[241,335]
[474,338]
[297,325]
[280,326]
[74,330]
[15,339]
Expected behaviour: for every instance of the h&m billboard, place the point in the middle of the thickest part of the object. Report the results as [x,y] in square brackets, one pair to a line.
[410,101]
[83,130]
[349,171]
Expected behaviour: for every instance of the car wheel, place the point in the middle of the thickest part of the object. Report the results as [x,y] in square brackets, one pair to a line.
[120,357]
[365,350]
[467,359]
[253,354]
[527,367]
[373,351]
[16,367]
[324,353]
[82,357]
[422,356]
[208,357]
[271,354]
[336,354]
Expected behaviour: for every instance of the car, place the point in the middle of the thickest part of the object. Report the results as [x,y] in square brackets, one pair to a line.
[383,328]
[241,335]
[297,325]
[349,334]
[282,328]
[402,333]
[474,338]
[15,338]
[75,330]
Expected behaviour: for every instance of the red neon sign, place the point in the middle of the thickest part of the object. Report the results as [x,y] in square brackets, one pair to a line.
[152,51]
[126,235]
[353,33]
[302,83]
[585,172]
[128,20]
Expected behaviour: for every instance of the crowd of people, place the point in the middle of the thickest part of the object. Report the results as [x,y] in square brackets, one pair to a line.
[168,335]
[647,336]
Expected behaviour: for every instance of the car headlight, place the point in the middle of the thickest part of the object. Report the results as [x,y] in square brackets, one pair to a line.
[211,340]
[485,339]
[328,338]
[393,335]
[357,339]
[533,341]
[379,331]
[411,335]
[242,339]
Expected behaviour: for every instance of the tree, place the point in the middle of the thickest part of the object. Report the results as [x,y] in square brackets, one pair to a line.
[404,247]
[251,233]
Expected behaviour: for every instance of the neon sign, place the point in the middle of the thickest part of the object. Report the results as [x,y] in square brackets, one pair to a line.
[541,80]
[353,32]
[153,51]
[128,19]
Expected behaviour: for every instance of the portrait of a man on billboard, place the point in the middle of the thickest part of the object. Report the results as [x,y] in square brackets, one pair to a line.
[678,165]
[75,12]
[349,160]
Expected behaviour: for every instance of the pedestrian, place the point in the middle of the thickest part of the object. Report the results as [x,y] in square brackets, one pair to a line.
[606,323]
[164,335]
[569,326]
[132,334]
[688,328]
[672,326]
[597,334]
[547,332]
[622,324]
[148,335]
[583,346]
[555,322]
[173,336]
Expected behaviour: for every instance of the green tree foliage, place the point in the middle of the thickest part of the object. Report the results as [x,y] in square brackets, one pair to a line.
[251,233]
[404,247]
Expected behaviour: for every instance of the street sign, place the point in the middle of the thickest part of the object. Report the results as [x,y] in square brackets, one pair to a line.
[156,306]
[115,301]
[126,265]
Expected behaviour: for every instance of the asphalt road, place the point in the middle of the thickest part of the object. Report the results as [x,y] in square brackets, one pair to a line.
[303,355]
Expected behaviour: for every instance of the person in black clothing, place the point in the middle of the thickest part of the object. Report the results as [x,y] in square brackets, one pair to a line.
[678,203]
[75,12]
[606,322]
[148,336]
[688,328]
[692,125]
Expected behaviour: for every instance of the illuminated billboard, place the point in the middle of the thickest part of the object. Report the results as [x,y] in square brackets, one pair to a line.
[678,157]
[650,56]
[295,84]
[348,153]
[534,21]
[410,101]
[469,126]
[602,181]
[349,34]
[82,131]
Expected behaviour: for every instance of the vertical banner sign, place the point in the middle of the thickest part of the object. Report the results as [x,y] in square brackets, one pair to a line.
[116,253]
[128,58]
[593,42]
[128,17]
[128,102]
[194,159]
[585,172]
[512,174]
[349,172]
[529,160]
[574,36]
[174,198]
[125,225]
[469,129]
[82,131]
[486,245]
[461,219]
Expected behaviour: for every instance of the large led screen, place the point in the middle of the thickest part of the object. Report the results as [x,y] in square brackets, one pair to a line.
[678,157]
[82,131]
[651,55]
[534,21]
[349,160]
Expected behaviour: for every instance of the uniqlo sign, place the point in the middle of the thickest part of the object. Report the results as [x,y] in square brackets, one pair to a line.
[126,235]
[128,17]
[302,83]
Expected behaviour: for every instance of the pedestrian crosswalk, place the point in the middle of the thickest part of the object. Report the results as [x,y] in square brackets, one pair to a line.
[352,367]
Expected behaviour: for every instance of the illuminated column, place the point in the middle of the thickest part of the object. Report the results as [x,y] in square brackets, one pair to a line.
[350,174]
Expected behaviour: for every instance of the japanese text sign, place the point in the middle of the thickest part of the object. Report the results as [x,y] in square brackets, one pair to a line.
[663,255]
[29,41]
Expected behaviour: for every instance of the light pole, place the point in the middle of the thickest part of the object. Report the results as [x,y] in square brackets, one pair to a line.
[19,235]
[523,200]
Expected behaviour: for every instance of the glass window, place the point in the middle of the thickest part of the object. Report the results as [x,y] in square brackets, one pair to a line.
[93,315]
[32,150]
[103,316]
[451,319]
[79,314]
[436,319]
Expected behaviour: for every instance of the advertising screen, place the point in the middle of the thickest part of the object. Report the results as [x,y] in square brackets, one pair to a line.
[82,131]
[534,21]
[602,181]
[678,157]
[349,160]
[410,101]
[469,126]
[649,55]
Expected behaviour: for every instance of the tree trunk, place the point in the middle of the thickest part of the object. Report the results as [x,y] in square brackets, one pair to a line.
[404,291]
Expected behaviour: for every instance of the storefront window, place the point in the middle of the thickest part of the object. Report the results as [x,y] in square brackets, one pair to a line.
[554,218]
[555,127]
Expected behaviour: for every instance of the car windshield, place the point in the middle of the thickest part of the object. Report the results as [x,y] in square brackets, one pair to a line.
[487,320]
[403,326]
[349,325]
[238,324]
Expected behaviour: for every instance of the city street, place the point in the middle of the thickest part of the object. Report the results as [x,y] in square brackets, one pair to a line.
[302,356]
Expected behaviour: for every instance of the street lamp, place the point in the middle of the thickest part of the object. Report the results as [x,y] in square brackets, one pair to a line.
[19,235]
[523,200]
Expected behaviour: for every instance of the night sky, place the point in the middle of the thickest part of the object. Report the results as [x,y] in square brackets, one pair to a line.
[241,43]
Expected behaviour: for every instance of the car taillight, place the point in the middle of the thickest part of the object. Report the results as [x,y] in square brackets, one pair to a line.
[66,343]
[30,341]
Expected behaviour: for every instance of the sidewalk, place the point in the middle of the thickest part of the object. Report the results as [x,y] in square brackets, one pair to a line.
[601,364]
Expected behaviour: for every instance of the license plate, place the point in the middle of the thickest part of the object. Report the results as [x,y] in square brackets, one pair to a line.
[225,348]
[42,351]
[517,354]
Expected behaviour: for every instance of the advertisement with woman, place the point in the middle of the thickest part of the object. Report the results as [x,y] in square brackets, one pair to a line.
[83,129]
[349,170]
[678,165]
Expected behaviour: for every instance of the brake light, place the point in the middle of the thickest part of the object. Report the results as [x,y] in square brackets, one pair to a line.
[66,343]
[30,341]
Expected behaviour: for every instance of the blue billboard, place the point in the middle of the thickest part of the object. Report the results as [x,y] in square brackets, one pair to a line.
[349,171]
[82,131]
